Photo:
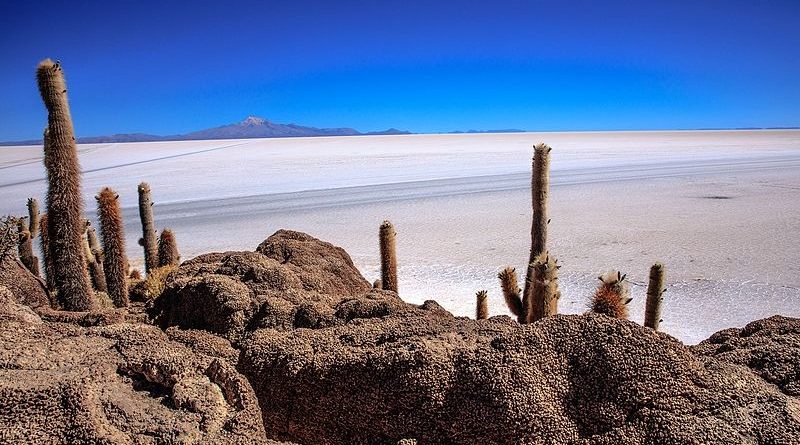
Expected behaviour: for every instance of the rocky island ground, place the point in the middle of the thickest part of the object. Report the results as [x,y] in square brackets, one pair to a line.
[290,343]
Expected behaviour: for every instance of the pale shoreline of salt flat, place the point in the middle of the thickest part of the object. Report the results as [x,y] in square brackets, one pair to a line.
[719,208]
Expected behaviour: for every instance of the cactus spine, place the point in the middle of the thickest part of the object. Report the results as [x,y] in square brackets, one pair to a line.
[388,247]
[115,263]
[168,249]
[148,240]
[655,296]
[94,260]
[511,293]
[44,245]
[482,305]
[612,295]
[544,288]
[64,204]
[25,247]
[33,217]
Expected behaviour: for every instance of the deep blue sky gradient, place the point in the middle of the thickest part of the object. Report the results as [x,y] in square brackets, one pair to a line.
[170,67]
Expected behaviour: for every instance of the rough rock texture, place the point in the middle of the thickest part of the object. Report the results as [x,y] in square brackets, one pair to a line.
[295,281]
[423,374]
[769,347]
[26,287]
[320,266]
[125,383]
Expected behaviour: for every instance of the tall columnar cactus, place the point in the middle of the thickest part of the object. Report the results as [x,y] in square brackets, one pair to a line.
[64,203]
[115,263]
[94,259]
[388,247]
[544,289]
[168,249]
[44,245]
[612,296]
[25,248]
[655,296]
[148,240]
[511,293]
[540,189]
[482,305]
[33,217]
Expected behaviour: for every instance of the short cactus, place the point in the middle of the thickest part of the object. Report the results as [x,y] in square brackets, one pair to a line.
[388,247]
[482,305]
[25,248]
[168,249]
[511,293]
[33,217]
[115,263]
[377,284]
[64,203]
[655,296]
[149,233]
[544,289]
[612,296]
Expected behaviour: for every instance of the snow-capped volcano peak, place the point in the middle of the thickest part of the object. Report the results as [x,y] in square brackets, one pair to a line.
[253,121]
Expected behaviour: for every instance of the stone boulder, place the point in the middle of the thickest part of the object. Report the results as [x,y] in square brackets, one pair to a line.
[422,374]
[125,383]
[769,347]
[320,266]
[26,288]
[294,280]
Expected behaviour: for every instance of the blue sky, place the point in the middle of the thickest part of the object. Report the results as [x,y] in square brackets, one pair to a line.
[171,67]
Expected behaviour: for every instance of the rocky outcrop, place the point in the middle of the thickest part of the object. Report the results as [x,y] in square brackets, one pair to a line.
[26,288]
[769,347]
[293,280]
[125,383]
[426,375]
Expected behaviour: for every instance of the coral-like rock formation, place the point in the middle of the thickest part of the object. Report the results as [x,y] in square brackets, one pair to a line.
[294,280]
[25,287]
[125,383]
[769,347]
[427,375]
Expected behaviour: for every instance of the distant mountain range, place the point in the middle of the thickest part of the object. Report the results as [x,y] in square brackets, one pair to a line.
[251,127]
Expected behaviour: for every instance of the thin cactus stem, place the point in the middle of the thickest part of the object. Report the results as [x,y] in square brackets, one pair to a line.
[25,248]
[149,242]
[655,296]
[33,217]
[388,247]
[115,263]
[540,186]
[511,293]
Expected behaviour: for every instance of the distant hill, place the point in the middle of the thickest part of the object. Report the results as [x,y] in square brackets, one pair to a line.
[251,127]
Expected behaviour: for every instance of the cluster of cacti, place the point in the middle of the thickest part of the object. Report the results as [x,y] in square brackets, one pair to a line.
[388,248]
[168,249]
[655,296]
[64,203]
[540,295]
[25,248]
[481,305]
[148,239]
[612,295]
[94,259]
[115,262]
